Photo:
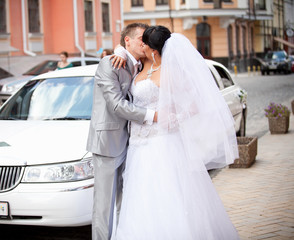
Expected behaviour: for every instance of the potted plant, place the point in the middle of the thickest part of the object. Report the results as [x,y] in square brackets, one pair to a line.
[292,105]
[278,118]
[247,147]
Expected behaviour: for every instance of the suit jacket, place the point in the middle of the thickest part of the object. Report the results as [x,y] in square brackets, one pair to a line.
[108,135]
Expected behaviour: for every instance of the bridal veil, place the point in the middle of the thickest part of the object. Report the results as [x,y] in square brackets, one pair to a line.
[190,101]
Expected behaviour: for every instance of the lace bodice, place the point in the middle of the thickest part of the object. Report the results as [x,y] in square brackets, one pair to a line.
[145,94]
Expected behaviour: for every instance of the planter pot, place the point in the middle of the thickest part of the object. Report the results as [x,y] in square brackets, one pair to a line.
[247,147]
[278,125]
[292,104]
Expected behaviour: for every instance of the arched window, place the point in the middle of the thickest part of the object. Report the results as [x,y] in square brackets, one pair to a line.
[203,39]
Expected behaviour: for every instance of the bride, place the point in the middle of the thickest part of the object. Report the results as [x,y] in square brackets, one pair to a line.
[167,192]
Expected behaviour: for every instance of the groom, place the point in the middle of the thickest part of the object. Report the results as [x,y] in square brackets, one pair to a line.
[108,135]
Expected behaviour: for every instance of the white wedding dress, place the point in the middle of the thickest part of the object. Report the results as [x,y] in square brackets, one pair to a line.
[162,199]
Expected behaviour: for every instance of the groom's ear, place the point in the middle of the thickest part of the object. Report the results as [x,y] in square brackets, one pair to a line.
[127,41]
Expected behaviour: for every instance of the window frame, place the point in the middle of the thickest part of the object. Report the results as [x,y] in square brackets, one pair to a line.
[3,17]
[212,1]
[230,40]
[261,5]
[225,77]
[137,3]
[106,28]
[34,16]
[89,16]
[238,51]
[162,2]
[244,39]
[202,40]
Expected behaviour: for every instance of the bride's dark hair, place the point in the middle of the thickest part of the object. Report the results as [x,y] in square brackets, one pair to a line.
[155,37]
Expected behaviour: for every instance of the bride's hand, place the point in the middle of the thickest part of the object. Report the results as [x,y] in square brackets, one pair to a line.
[118,62]
[119,58]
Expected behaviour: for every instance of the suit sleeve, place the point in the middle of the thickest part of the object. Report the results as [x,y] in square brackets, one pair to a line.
[108,80]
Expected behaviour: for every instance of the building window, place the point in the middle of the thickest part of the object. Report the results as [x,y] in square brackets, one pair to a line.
[3,16]
[161,2]
[105,17]
[244,36]
[238,41]
[252,40]
[225,78]
[217,2]
[203,39]
[261,5]
[88,5]
[34,16]
[137,3]
[230,41]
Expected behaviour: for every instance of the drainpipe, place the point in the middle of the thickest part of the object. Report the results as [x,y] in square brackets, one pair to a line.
[24,30]
[77,44]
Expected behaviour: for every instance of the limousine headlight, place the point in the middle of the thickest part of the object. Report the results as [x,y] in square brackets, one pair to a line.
[62,172]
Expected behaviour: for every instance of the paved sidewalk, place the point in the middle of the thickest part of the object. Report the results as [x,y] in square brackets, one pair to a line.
[260,199]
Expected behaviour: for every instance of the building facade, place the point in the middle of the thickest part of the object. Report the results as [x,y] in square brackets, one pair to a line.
[233,32]
[30,27]
[289,25]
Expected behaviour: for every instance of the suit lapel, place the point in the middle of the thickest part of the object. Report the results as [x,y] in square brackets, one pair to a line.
[130,67]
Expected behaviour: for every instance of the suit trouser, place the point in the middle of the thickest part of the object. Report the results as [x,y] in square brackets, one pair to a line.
[107,191]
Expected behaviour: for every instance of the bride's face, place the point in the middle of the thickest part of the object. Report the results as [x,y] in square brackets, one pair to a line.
[148,51]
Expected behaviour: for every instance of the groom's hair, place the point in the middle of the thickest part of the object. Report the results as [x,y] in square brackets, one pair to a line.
[130,30]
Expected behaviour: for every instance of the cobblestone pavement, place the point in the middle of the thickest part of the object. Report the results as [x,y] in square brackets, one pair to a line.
[260,199]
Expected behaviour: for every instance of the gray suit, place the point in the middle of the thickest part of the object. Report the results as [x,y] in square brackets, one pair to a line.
[108,138]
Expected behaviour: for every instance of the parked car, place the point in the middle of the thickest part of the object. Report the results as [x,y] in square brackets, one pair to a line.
[277,62]
[292,63]
[10,85]
[46,173]
[234,95]
[4,73]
